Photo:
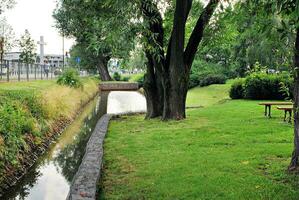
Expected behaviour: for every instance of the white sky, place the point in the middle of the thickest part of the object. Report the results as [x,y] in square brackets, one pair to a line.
[36,16]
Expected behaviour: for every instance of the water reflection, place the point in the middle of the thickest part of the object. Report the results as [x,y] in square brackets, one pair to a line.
[50,177]
[124,102]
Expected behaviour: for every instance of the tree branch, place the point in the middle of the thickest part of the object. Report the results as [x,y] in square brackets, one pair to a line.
[197,33]
[186,14]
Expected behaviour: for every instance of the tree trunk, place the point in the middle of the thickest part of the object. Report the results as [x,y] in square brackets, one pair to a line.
[294,162]
[174,106]
[103,69]
[153,85]
[153,91]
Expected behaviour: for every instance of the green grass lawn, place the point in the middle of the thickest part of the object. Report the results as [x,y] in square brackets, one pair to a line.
[226,150]
[30,85]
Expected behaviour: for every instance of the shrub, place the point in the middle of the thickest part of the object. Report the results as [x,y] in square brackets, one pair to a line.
[125,78]
[116,76]
[264,86]
[70,77]
[212,79]
[193,80]
[261,86]
[237,90]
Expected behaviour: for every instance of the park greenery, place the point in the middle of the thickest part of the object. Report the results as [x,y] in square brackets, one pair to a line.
[188,43]
[32,113]
[197,143]
[225,150]
[70,77]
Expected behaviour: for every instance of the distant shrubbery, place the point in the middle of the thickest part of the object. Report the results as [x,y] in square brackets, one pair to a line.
[139,78]
[262,86]
[205,73]
[70,77]
[206,79]
[116,76]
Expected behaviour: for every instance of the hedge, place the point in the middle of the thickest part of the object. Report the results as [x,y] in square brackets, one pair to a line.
[261,86]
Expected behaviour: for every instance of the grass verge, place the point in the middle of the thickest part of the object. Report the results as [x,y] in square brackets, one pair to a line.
[226,150]
[31,113]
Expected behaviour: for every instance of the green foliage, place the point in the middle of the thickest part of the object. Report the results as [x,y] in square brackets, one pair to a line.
[125,78]
[70,77]
[28,47]
[139,78]
[116,76]
[234,134]
[193,80]
[244,34]
[237,89]
[98,27]
[212,79]
[22,117]
[263,86]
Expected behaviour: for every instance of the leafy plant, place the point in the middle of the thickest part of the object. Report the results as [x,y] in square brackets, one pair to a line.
[116,76]
[70,77]
[237,89]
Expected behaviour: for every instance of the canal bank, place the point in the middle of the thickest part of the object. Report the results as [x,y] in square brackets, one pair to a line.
[58,106]
[54,171]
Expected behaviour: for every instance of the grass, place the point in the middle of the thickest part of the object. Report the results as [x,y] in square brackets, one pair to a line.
[226,150]
[31,112]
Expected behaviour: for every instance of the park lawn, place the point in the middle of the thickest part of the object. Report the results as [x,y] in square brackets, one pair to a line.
[226,150]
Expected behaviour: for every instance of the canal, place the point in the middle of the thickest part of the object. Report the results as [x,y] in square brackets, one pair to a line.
[50,177]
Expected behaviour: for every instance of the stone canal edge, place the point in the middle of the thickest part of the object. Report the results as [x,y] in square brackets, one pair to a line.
[85,182]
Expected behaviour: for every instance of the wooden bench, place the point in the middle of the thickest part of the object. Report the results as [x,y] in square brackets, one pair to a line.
[269,104]
[286,109]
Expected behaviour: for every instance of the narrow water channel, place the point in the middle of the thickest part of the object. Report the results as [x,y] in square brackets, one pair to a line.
[50,177]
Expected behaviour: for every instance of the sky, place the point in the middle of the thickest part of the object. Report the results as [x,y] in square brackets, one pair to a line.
[36,16]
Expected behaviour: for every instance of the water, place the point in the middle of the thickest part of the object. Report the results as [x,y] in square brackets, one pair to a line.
[50,177]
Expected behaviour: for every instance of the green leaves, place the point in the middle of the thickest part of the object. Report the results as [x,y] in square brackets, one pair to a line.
[28,48]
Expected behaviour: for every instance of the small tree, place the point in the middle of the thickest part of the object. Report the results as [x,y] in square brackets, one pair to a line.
[7,33]
[28,48]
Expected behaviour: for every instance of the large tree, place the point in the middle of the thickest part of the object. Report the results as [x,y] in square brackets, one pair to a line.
[168,68]
[93,26]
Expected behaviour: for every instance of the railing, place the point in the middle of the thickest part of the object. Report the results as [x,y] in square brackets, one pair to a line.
[17,71]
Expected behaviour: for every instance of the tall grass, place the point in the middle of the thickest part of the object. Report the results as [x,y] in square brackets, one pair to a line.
[30,111]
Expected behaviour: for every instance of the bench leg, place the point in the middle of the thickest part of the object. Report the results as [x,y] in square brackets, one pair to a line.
[285,116]
[269,113]
[266,111]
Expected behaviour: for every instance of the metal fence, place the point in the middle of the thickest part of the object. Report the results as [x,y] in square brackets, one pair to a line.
[17,71]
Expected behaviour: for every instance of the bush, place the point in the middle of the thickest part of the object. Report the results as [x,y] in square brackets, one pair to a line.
[212,79]
[125,78]
[193,80]
[70,77]
[116,76]
[261,86]
[237,90]
[264,86]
